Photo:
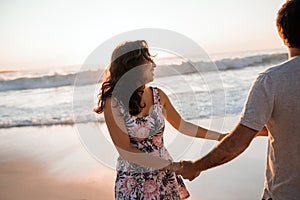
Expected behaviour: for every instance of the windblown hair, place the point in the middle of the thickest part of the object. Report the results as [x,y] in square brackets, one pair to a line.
[126,57]
[288,23]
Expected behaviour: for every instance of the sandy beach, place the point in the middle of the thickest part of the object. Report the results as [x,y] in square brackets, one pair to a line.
[52,163]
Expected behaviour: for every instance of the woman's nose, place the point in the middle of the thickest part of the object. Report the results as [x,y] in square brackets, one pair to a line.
[153,64]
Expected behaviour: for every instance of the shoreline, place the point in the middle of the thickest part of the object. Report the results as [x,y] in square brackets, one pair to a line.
[53,162]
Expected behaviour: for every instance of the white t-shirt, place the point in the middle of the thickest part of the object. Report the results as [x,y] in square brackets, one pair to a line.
[274,101]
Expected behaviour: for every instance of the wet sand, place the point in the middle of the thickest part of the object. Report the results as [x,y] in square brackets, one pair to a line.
[29,179]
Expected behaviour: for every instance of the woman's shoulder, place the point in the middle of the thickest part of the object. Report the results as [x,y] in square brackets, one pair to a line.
[111,102]
[108,100]
[108,103]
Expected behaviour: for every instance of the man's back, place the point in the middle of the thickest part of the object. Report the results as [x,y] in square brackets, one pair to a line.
[282,173]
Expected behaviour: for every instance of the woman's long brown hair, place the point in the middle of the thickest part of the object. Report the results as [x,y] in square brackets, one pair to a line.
[125,57]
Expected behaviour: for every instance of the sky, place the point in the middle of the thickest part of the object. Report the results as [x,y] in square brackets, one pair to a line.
[54,33]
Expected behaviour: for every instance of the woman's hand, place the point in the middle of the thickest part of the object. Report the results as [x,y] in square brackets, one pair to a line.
[177,167]
[174,167]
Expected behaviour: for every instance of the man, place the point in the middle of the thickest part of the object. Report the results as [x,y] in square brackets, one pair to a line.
[273,102]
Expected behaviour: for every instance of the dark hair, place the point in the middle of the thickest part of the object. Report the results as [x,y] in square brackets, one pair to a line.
[288,23]
[126,87]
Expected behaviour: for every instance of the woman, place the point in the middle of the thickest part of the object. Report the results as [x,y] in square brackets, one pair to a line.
[134,113]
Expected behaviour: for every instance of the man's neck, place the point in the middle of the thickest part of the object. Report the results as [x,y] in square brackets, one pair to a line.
[294,52]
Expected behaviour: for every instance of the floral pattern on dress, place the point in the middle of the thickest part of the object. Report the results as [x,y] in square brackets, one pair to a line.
[135,182]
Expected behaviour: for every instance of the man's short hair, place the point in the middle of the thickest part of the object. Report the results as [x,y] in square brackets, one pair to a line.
[288,23]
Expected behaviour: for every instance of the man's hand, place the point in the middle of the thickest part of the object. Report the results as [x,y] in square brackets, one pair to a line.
[189,170]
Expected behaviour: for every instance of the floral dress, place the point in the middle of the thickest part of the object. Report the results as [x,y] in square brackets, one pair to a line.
[136,182]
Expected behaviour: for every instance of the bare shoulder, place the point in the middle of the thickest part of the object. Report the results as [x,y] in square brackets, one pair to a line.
[107,103]
[110,103]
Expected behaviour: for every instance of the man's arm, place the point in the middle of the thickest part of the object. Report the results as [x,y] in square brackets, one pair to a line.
[229,148]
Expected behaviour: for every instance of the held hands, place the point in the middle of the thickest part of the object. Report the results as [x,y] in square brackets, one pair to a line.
[176,167]
[187,169]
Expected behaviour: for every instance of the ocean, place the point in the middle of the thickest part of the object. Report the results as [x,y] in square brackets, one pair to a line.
[68,96]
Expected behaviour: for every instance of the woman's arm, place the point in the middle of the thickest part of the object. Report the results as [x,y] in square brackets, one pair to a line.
[120,138]
[183,126]
[263,132]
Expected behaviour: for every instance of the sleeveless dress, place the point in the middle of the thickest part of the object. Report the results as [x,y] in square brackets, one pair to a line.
[135,182]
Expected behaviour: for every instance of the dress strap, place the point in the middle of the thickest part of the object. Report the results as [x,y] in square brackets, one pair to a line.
[156,97]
